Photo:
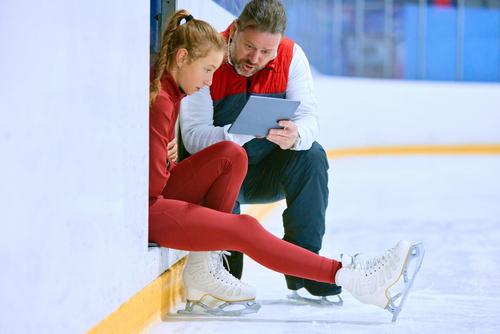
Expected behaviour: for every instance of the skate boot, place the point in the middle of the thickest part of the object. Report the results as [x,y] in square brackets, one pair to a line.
[211,289]
[383,280]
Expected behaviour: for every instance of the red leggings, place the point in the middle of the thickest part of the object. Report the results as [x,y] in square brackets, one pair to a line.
[195,215]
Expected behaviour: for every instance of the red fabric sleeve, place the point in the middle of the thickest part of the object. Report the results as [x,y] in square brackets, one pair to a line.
[161,124]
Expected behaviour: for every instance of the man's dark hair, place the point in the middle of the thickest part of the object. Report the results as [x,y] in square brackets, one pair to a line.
[264,16]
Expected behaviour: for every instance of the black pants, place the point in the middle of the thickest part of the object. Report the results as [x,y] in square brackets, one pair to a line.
[300,177]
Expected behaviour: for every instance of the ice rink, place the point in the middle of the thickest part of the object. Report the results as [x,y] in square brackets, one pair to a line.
[449,202]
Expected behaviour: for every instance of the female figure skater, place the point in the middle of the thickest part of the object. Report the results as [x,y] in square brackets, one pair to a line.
[190,203]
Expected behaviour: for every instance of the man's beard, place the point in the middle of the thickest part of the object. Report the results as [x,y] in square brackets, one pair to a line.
[239,65]
[240,68]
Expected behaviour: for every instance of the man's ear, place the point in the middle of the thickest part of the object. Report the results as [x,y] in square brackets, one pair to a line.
[181,57]
[233,28]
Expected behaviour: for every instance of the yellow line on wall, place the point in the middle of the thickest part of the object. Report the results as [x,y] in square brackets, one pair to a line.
[147,306]
[260,211]
[414,150]
[153,302]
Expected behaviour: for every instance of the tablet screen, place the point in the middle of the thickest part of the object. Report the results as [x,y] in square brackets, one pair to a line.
[260,114]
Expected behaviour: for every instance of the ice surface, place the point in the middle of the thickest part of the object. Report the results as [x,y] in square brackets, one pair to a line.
[451,203]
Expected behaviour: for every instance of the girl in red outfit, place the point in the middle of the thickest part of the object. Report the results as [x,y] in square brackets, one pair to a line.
[190,202]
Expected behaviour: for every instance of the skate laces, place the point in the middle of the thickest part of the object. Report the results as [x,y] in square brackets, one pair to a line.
[224,255]
[368,265]
[220,273]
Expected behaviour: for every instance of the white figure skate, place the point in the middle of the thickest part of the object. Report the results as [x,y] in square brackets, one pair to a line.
[212,290]
[371,280]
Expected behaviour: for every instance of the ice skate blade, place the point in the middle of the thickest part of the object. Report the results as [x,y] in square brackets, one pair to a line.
[194,308]
[323,301]
[415,258]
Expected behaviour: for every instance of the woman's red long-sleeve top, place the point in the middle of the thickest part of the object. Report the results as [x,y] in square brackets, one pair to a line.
[162,117]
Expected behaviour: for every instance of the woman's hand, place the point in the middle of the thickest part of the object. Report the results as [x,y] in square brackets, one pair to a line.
[172,150]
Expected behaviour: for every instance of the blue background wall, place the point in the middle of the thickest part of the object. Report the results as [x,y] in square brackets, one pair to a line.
[481,44]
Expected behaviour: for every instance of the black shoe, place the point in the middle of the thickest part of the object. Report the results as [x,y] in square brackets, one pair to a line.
[313,287]
[235,264]
[322,289]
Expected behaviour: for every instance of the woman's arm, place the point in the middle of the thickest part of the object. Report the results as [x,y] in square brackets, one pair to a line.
[160,128]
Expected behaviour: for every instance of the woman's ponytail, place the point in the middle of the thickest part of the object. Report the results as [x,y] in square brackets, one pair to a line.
[164,59]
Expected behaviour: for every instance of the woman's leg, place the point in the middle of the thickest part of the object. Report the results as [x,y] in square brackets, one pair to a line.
[188,226]
[211,177]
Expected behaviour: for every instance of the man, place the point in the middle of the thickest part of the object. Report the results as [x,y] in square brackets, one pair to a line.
[288,163]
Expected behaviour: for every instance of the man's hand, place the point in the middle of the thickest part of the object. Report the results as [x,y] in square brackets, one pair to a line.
[172,150]
[285,138]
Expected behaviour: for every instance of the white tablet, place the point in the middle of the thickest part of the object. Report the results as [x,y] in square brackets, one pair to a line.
[260,114]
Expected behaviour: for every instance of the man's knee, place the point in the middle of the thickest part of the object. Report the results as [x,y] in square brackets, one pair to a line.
[314,157]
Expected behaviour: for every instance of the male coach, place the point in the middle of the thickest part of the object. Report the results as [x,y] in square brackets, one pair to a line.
[288,163]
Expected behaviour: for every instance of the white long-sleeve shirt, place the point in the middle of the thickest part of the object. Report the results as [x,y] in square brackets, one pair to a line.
[196,115]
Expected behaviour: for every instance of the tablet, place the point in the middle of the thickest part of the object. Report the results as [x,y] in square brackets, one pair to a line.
[261,114]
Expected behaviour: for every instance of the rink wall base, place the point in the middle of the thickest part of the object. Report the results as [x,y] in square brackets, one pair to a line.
[148,306]
[153,303]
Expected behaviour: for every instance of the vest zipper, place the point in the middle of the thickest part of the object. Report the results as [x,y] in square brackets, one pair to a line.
[249,86]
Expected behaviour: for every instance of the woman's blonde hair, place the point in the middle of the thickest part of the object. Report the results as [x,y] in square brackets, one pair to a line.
[196,36]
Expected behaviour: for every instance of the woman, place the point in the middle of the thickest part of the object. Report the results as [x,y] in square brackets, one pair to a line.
[190,203]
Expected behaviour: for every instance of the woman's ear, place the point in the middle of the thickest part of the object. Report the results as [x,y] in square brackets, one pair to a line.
[181,57]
